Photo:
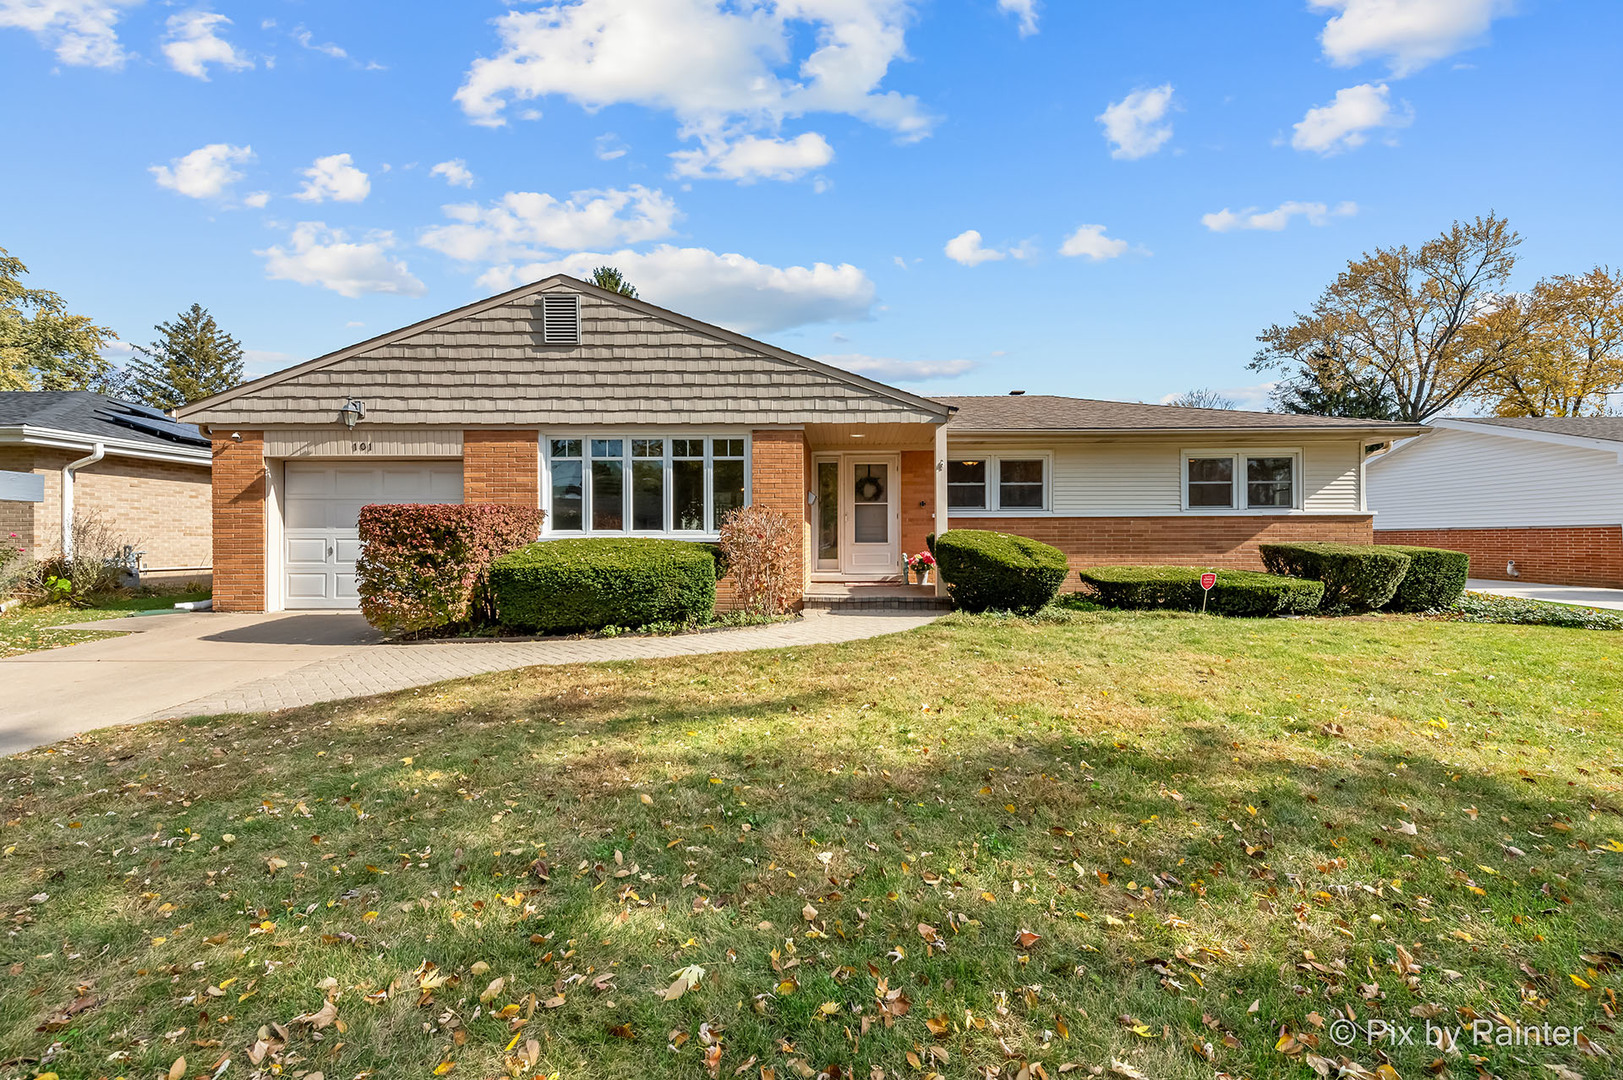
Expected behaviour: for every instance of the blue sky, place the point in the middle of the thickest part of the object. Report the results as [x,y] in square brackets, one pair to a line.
[1152,184]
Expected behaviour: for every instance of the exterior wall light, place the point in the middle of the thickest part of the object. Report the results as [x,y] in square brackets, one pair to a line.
[352,413]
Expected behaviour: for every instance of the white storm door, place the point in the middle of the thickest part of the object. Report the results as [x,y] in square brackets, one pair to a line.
[324,500]
[872,516]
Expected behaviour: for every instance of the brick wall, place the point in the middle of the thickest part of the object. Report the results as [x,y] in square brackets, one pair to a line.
[918,499]
[1574,555]
[1195,540]
[501,467]
[160,507]
[239,523]
[778,480]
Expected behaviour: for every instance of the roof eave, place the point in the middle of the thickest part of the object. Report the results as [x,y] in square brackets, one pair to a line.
[57,439]
[1395,431]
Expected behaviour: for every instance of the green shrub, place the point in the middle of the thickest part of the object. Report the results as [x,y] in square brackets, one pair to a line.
[1436,578]
[1177,588]
[1478,607]
[993,571]
[1357,577]
[589,584]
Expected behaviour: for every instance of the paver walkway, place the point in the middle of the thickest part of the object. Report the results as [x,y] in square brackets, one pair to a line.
[197,664]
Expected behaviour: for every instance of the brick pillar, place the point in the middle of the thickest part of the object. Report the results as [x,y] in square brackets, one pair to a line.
[778,480]
[918,499]
[501,467]
[239,522]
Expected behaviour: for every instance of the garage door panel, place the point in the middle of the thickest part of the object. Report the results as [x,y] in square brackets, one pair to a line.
[322,503]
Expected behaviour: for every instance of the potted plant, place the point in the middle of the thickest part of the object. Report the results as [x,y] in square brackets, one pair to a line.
[921,565]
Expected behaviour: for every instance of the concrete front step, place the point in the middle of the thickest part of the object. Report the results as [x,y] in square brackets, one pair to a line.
[879,596]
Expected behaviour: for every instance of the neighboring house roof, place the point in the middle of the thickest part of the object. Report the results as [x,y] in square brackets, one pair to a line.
[78,419]
[639,362]
[1609,428]
[1048,413]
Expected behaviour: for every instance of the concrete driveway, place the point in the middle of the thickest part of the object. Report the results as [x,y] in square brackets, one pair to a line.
[200,664]
[163,661]
[1581,595]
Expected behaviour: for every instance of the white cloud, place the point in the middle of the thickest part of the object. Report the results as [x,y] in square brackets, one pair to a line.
[1025,11]
[307,40]
[527,224]
[257,362]
[1134,124]
[881,367]
[334,177]
[82,33]
[609,146]
[966,249]
[1410,34]
[752,158]
[1316,213]
[317,255]
[256,199]
[1090,242]
[722,69]
[193,43]
[455,171]
[1341,125]
[204,173]
[727,289]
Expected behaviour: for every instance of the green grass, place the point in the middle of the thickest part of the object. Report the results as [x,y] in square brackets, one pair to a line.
[30,629]
[1221,831]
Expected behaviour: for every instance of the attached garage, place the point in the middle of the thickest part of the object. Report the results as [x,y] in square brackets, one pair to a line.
[321,502]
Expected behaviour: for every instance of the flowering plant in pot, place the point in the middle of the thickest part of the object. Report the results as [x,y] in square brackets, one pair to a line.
[921,565]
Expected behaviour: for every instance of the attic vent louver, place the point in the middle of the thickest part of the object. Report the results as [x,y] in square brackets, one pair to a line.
[560,319]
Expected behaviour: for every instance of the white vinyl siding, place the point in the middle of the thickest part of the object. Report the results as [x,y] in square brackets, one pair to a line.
[1144,477]
[1454,479]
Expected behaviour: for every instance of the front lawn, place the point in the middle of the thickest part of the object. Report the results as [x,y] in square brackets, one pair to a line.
[1137,844]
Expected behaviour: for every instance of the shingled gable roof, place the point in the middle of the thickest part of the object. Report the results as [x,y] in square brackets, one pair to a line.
[425,326]
[1605,428]
[1047,413]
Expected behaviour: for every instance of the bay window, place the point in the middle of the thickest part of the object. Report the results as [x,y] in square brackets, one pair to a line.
[1259,480]
[644,484]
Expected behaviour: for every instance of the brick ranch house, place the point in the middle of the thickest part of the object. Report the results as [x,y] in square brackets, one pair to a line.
[139,474]
[1535,499]
[620,418]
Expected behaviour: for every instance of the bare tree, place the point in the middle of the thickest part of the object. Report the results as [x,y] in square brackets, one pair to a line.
[1203,398]
[1428,325]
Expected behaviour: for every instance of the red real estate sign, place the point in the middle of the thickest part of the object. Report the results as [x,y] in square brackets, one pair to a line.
[1207,581]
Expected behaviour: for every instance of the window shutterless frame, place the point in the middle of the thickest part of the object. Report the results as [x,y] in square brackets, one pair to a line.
[1011,483]
[652,476]
[1259,480]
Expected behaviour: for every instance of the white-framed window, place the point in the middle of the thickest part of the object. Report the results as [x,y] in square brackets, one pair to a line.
[1014,482]
[642,483]
[1253,481]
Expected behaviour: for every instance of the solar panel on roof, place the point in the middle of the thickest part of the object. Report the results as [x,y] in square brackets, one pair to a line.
[155,423]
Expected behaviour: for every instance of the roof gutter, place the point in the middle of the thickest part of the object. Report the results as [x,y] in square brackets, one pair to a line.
[58,439]
[67,494]
[1392,431]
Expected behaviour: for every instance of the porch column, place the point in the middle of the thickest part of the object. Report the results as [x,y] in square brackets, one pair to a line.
[941,524]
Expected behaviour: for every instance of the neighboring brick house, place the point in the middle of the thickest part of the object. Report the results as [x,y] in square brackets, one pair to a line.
[620,418]
[148,488]
[1534,499]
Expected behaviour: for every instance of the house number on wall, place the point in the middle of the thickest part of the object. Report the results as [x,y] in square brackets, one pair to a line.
[360,447]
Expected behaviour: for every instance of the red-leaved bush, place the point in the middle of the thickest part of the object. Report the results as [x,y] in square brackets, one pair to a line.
[424,567]
[759,546]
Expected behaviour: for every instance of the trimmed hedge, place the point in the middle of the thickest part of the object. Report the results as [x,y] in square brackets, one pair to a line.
[1177,588]
[424,567]
[1436,578]
[993,571]
[1359,577]
[587,584]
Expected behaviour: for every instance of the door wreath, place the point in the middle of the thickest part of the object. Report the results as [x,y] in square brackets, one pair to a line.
[869,489]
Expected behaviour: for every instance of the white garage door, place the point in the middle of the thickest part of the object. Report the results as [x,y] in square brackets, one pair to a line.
[320,543]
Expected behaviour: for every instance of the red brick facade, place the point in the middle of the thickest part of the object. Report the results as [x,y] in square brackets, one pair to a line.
[918,499]
[778,480]
[1192,540]
[501,467]
[1589,555]
[239,523]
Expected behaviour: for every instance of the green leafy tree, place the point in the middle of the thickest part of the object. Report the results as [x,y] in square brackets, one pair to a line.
[191,359]
[42,347]
[610,278]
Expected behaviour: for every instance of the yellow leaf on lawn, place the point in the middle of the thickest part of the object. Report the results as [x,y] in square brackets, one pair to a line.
[444,1067]
[1580,983]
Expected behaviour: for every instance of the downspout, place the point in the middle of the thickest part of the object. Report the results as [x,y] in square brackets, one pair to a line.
[67,493]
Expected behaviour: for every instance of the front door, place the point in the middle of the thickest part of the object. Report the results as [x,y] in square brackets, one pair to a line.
[857,516]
